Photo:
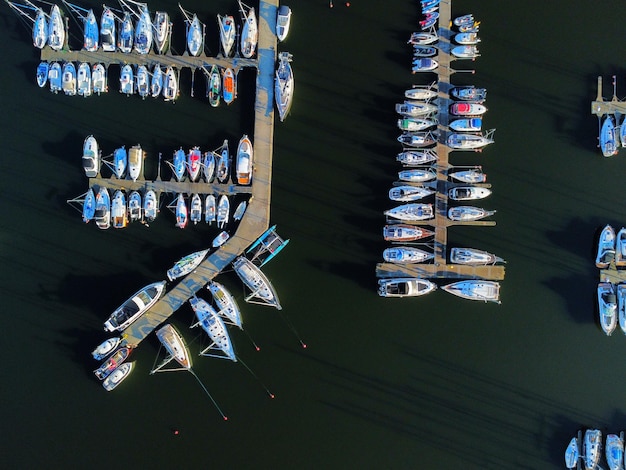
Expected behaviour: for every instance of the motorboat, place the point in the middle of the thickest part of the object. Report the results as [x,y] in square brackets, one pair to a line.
[470,176]
[411,211]
[195,208]
[469,93]
[467,125]
[429,22]
[413,109]
[181,211]
[194,163]
[473,256]
[465,51]
[228,33]
[117,376]
[229,86]
[249,32]
[134,206]
[468,213]
[162,29]
[126,34]
[607,307]
[609,143]
[417,139]
[424,51]
[119,212]
[614,452]
[84,87]
[592,446]
[170,84]
[105,348]
[417,157]
[406,193]
[135,162]
[223,211]
[135,306]
[213,325]
[226,304]
[468,193]
[89,206]
[91,157]
[186,264]
[220,239]
[422,38]
[223,163]
[405,287]
[471,27]
[475,289]
[244,161]
[620,248]
[179,164]
[42,73]
[174,344]
[284,85]
[208,166]
[469,141]
[56,29]
[417,175]
[99,79]
[467,109]
[214,86]
[156,81]
[107,30]
[240,210]
[622,134]
[621,306]
[466,38]
[606,247]
[283,21]
[256,281]
[195,34]
[462,20]
[120,162]
[112,363]
[406,255]
[421,93]
[102,215]
[127,81]
[425,64]
[571,453]
[150,206]
[210,209]
[55,77]
[69,79]
[143,81]
[405,233]
[143,31]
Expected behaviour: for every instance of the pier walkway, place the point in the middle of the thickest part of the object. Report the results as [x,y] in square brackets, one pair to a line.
[256,218]
[439,268]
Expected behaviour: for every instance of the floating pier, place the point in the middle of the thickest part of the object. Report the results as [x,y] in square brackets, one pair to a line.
[439,268]
[255,221]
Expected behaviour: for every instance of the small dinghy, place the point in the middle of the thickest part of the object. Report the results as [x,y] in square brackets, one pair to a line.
[421,38]
[241,209]
[466,38]
[221,238]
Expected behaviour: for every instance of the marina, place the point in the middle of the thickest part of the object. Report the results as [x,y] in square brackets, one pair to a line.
[443,173]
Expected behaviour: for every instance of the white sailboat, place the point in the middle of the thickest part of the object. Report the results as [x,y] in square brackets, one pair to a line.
[249,31]
[257,282]
[195,32]
[284,85]
[56,29]
[162,29]
[228,33]
[223,211]
[221,345]
[186,264]
[227,306]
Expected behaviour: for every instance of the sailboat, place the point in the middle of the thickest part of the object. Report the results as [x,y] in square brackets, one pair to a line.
[214,85]
[256,281]
[143,81]
[195,33]
[56,29]
[39,20]
[127,81]
[181,212]
[120,162]
[223,211]
[208,166]
[228,32]
[229,86]
[170,84]
[174,344]
[89,206]
[195,209]
[475,289]
[223,163]
[91,157]
[107,30]
[194,163]
[156,83]
[103,209]
[135,162]
[213,325]
[91,31]
[244,161]
[126,34]
[226,303]
[186,264]
[42,73]
[150,206]
[284,85]
[210,212]
[143,29]
[249,31]
[162,30]
[179,164]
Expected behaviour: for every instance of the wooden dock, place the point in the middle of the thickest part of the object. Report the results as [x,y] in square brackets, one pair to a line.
[439,268]
[256,218]
[601,107]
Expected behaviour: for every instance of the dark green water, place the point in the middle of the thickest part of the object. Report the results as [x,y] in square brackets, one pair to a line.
[424,383]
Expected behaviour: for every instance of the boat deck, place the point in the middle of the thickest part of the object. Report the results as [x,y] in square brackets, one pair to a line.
[439,267]
[256,218]
[601,107]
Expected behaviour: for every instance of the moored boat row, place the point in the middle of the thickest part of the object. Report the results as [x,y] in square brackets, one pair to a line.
[585,451]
